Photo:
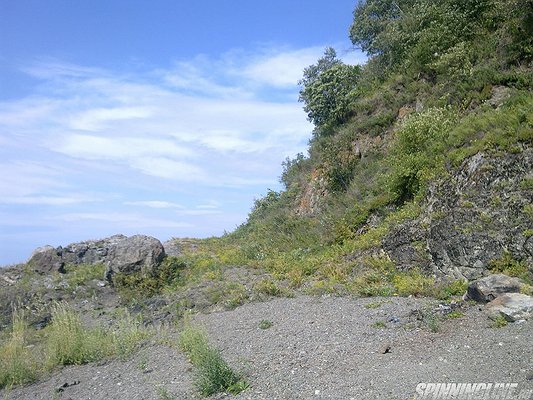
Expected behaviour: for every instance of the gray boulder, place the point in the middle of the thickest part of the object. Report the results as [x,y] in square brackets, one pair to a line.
[172,248]
[489,288]
[47,259]
[119,253]
[513,306]
[137,253]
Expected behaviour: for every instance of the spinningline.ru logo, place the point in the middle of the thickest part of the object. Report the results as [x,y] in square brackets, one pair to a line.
[472,391]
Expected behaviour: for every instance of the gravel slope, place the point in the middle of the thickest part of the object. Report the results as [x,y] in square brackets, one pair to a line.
[317,348]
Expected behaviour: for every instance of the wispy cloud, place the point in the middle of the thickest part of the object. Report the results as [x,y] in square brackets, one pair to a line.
[281,69]
[95,142]
[154,204]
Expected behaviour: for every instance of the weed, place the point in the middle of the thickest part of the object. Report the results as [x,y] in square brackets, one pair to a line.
[213,374]
[17,362]
[432,322]
[69,342]
[128,334]
[455,288]
[379,325]
[81,274]
[455,314]
[413,283]
[510,266]
[267,286]
[265,324]
[499,321]
[374,304]
[164,393]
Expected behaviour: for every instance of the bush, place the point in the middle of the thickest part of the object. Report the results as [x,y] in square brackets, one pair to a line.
[413,283]
[213,374]
[17,362]
[69,342]
[419,143]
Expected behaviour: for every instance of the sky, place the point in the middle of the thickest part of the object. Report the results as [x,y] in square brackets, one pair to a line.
[159,117]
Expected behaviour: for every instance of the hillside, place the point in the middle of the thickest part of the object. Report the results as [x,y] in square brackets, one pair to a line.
[417,183]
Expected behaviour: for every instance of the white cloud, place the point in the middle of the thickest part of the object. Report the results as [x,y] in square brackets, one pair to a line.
[170,169]
[48,200]
[282,69]
[25,178]
[93,147]
[154,204]
[124,219]
[96,119]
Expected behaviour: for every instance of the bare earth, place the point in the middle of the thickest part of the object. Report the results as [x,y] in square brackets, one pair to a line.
[317,348]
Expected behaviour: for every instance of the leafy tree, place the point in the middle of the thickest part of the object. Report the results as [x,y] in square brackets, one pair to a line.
[327,90]
[416,34]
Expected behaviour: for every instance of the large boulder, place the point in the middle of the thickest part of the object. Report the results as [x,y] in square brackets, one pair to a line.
[137,253]
[512,306]
[489,288]
[119,253]
[46,259]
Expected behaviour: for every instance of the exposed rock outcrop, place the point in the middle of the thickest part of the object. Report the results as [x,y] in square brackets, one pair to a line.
[473,217]
[119,253]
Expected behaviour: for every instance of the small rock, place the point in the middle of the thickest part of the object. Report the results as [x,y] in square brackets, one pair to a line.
[393,319]
[385,348]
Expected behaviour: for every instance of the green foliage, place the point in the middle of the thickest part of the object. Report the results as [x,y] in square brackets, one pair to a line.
[213,374]
[413,283]
[77,275]
[436,37]
[69,342]
[454,288]
[265,324]
[499,321]
[455,314]
[419,143]
[328,89]
[379,325]
[269,287]
[138,285]
[508,265]
[18,364]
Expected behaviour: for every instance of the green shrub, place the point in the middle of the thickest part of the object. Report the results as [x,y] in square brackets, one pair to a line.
[455,288]
[140,285]
[508,265]
[77,275]
[128,334]
[69,342]
[213,374]
[499,321]
[265,324]
[269,287]
[419,143]
[18,364]
[413,283]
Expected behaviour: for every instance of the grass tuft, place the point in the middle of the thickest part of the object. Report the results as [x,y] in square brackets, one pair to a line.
[17,362]
[213,374]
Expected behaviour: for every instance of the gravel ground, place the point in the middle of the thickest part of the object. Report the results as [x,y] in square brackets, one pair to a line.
[316,348]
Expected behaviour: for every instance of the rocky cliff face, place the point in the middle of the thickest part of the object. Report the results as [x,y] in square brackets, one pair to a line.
[119,253]
[481,212]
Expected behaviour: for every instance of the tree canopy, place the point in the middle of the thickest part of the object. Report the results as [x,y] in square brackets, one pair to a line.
[327,89]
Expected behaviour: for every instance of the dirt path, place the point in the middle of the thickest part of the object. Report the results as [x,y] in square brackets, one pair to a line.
[317,348]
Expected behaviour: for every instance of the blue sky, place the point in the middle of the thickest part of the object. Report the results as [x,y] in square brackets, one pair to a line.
[165,118]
